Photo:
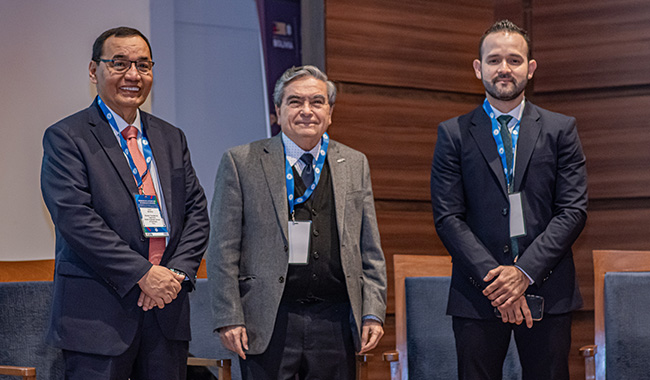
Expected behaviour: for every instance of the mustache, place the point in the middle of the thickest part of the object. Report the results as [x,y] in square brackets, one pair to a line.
[502,77]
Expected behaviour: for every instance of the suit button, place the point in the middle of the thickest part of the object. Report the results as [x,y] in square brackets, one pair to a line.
[281,279]
[504,212]
[316,232]
[314,276]
[506,249]
[313,212]
[286,249]
[316,255]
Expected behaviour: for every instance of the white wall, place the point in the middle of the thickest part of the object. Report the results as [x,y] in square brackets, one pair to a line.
[208,80]
[46,47]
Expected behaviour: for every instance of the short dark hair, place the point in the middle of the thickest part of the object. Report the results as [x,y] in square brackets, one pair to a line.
[121,31]
[504,26]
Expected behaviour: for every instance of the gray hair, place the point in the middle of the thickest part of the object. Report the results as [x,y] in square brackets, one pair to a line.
[298,72]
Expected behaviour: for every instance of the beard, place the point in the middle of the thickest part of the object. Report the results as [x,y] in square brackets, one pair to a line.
[507,93]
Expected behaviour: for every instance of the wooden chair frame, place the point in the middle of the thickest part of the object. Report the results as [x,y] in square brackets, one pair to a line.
[410,266]
[607,261]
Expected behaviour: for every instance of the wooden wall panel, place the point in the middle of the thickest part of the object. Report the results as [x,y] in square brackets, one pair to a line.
[591,43]
[396,129]
[406,228]
[409,43]
[615,134]
[614,227]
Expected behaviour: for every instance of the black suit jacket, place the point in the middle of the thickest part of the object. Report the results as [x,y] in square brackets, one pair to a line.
[471,208]
[101,252]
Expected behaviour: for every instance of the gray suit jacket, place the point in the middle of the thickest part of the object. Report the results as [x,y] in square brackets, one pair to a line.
[247,257]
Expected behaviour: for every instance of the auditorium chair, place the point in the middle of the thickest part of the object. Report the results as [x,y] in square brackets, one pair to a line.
[25,317]
[621,317]
[425,341]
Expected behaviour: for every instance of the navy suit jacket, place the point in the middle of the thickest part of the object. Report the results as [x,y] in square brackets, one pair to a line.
[101,251]
[471,208]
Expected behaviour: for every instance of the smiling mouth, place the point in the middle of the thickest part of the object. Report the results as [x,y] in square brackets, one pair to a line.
[130,89]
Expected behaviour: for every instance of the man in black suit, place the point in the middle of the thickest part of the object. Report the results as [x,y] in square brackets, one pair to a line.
[131,225]
[509,193]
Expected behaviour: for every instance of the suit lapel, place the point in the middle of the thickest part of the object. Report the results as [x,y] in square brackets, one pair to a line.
[339,173]
[528,133]
[481,131]
[106,137]
[273,165]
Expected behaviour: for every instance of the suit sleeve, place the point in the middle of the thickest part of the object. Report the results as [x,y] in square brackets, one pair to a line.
[67,194]
[569,207]
[372,256]
[196,225]
[449,207]
[224,250]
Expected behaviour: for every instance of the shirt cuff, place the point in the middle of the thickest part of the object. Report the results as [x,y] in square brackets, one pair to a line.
[372,318]
[530,279]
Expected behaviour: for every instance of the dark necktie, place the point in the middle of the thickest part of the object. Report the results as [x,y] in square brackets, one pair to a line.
[507,145]
[130,133]
[308,171]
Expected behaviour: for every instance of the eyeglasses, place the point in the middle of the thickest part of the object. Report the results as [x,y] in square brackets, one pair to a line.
[123,65]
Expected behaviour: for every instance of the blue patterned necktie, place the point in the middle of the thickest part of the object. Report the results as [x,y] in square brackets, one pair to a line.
[507,145]
[308,172]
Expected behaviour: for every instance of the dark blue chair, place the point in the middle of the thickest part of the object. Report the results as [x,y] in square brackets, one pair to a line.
[24,322]
[425,340]
[621,316]
[205,343]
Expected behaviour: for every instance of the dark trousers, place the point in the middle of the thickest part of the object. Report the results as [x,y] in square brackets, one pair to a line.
[543,350]
[150,357]
[312,341]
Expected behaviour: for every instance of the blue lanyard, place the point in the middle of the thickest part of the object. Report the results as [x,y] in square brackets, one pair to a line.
[317,172]
[497,138]
[146,148]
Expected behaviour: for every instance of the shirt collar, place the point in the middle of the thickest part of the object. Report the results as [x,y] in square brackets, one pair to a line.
[293,152]
[121,124]
[515,112]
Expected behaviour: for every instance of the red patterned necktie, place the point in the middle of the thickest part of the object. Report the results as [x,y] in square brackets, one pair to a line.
[130,133]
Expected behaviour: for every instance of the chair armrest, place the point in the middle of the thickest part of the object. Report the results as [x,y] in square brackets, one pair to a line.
[362,366]
[223,366]
[28,373]
[392,357]
[589,353]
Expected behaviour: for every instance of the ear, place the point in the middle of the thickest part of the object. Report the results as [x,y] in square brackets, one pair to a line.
[330,115]
[477,68]
[92,72]
[532,66]
[277,113]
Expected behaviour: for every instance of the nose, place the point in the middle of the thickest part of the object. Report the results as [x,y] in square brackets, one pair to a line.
[305,108]
[504,67]
[132,71]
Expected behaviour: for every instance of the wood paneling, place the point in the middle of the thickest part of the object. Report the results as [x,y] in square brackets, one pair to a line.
[43,270]
[616,228]
[615,134]
[410,43]
[36,270]
[591,43]
[396,129]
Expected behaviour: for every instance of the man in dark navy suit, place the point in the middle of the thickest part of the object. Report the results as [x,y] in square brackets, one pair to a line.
[131,225]
[509,193]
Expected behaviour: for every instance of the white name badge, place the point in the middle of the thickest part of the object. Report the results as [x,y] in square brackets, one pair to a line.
[153,224]
[517,223]
[299,238]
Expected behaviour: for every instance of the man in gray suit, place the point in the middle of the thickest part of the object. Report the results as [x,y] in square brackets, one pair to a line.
[296,269]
